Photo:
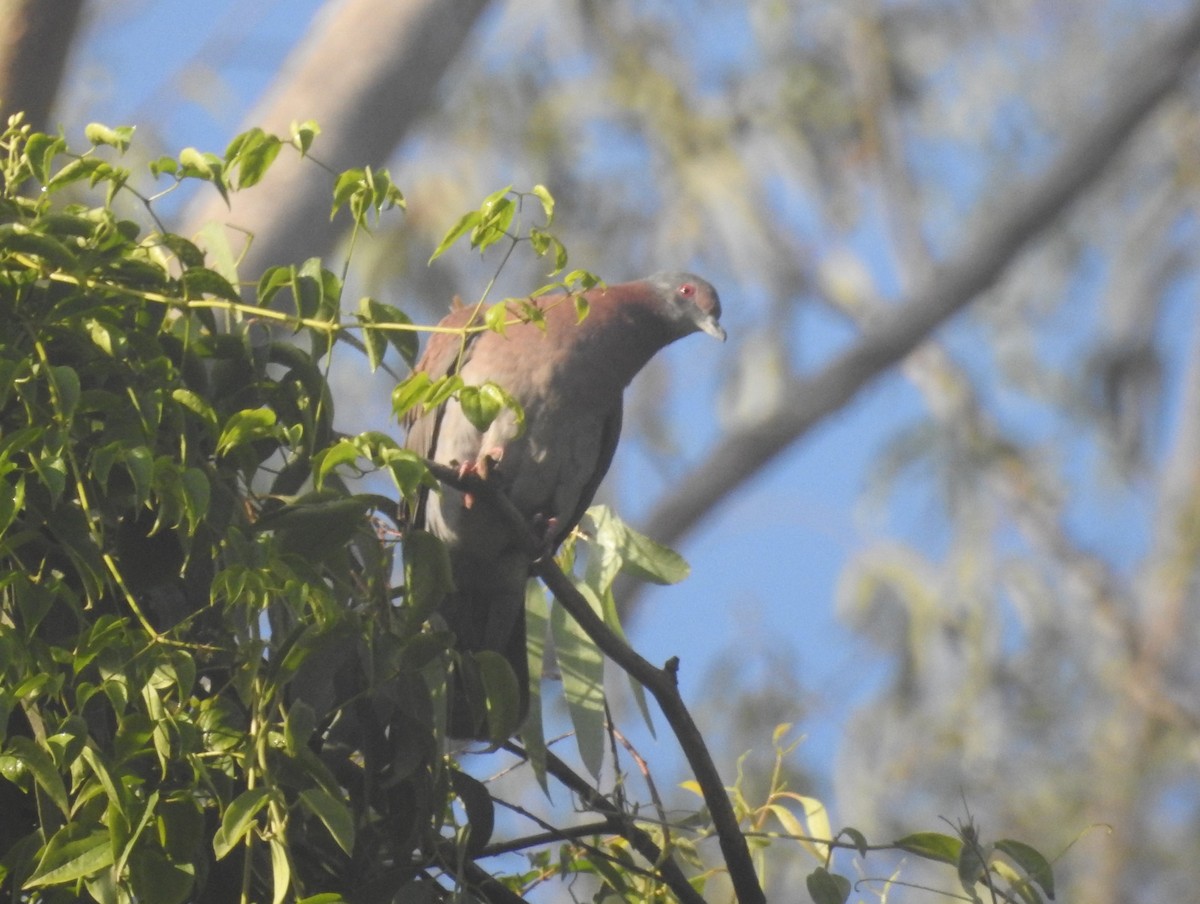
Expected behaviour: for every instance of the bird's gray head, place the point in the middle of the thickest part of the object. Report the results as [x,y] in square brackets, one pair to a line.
[689,301]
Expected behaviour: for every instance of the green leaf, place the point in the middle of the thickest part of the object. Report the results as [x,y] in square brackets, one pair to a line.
[1031,861]
[410,392]
[66,385]
[481,405]
[334,814]
[244,427]
[281,871]
[197,163]
[239,819]
[582,666]
[932,846]
[41,766]
[70,860]
[252,154]
[857,838]
[301,722]
[197,404]
[344,452]
[481,810]
[41,149]
[215,238]
[827,888]
[153,877]
[1020,886]
[303,135]
[139,463]
[501,694]
[624,549]
[543,194]
[537,620]
[465,224]
[15,238]
[272,280]
[119,138]
[427,577]
[200,281]
[496,318]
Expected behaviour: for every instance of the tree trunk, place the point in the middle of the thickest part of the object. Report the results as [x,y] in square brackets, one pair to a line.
[35,36]
[366,72]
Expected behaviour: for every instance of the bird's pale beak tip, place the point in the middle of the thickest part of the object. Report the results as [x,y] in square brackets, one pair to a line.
[714,329]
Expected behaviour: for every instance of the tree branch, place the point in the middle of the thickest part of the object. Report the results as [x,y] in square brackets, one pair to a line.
[366,73]
[35,38]
[998,239]
[661,683]
[619,823]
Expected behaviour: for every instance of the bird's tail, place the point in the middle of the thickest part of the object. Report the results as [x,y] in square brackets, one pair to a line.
[487,615]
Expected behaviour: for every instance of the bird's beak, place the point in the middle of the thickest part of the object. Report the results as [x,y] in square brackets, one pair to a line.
[709,325]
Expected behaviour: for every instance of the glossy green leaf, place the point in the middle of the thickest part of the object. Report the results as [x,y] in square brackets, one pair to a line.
[41,766]
[238,820]
[857,838]
[1031,861]
[303,134]
[200,281]
[245,426]
[827,888]
[281,871]
[480,809]
[334,814]
[481,405]
[582,667]
[119,137]
[70,860]
[501,694]
[15,238]
[427,577]
[932,846]
[465,224]
[543,195]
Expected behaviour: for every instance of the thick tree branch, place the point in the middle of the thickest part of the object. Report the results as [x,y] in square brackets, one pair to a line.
[366,73]
[998,239]
[660,682]
[35,37]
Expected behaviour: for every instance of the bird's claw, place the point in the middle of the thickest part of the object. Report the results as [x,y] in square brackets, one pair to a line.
[482,466]
[544,528]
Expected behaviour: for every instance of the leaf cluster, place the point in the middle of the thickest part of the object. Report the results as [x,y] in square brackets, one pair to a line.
[209,685]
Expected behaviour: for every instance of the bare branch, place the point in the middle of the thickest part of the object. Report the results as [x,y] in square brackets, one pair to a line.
[998,239]
[366,72]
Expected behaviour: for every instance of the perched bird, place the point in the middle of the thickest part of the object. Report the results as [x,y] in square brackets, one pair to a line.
[569,378]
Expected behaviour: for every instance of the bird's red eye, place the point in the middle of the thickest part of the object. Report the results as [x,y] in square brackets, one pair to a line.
[687,290]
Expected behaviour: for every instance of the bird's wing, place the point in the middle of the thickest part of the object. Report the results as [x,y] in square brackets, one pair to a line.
[607,448]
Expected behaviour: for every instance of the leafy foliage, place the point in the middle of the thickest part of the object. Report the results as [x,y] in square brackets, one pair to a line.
[218,682]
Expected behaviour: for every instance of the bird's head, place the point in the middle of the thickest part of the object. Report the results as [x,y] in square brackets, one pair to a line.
[689,303]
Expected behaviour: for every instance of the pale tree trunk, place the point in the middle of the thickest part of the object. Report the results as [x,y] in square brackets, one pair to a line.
[35,36]
[366,72]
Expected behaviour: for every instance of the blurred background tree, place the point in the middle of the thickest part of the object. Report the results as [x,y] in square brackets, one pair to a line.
[1005,525]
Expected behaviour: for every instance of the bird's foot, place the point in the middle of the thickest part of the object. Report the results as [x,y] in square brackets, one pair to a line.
[544,529]
[482,466]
